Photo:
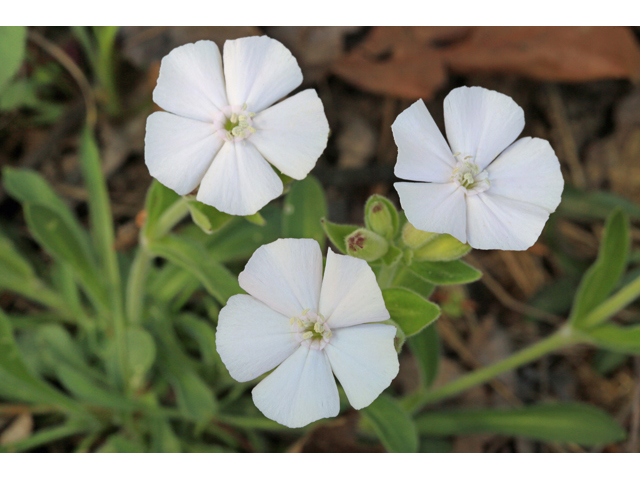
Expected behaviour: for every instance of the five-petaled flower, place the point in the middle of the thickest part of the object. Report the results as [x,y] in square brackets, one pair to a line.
[478,190]
[220,125]
[307,326]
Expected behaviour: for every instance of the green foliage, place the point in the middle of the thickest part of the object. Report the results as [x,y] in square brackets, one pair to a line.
[577,423]
[446,273]
[304,206]
[393,426]
[206,217]
[409,310]
[12,47]
[605,273]
[425,346]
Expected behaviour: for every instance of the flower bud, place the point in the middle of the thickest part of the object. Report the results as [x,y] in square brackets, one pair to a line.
[366,245]
[381,216]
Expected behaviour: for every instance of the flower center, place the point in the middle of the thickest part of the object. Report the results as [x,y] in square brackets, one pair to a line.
[468,175]
[311,329]
[234,123]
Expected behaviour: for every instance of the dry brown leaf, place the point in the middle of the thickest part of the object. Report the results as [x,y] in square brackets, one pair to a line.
[412,62]
[399,61]
[549,53]
[20,429]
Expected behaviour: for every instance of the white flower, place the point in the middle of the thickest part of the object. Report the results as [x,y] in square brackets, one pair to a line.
[219,126]
[309,326]
[479,191]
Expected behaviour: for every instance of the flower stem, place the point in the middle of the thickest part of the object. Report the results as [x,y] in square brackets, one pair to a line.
[612,305]
[561,338]
[140,268]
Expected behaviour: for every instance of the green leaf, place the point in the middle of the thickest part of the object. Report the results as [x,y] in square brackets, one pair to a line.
[616,338]
[17,381]
[206,217]
[141,354]
[409,310]
[12,266]
[605,273]
[572,422]
[203,334]
[12,48]
[62,242]
[394,427]
[118,443]
[190,255]
[406,278]
[446,273]
[425,347]
[584,205]
[304,206]
[28,186]
[256,219]
[338,233]
[159,199]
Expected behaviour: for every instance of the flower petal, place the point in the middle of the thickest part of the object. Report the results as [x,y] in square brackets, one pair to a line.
[292,134]
[286,275]
[179,150]
[350,294]
[423,153]
[496,222]
[239,181]
[481,123]
[259,71]
[528,171]
[300,391]
[365,361]
[191,82]
[435,207]
[251,338]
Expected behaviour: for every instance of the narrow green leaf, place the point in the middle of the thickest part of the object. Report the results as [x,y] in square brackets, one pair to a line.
[395,429]
[304,206]
[256,219]
[605,273]
[203,334]
[409,310]
[12,48]
[206,217]
[61,241]
[29,187]
[617,338]
[594,205]
[159,199]
[190,255]
[142,354]
[338,233]
[16,379]
[406,278]
[12,264]
[446,273]
[118,443]
[425,347]
[571,422]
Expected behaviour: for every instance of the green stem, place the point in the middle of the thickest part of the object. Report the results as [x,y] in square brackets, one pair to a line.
[141,263]
[561,338]
[612,305]
[105,69]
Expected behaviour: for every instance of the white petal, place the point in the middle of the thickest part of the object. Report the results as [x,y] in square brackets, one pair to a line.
[350,293]
[259,71]
[251,338]
[365,361]
[435,207]
[286,275]
[178,150]
[239,181]
[528,171]
[423,153]
[300,391]
[495,222]
[191,83]
[481,123]
[292,134]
